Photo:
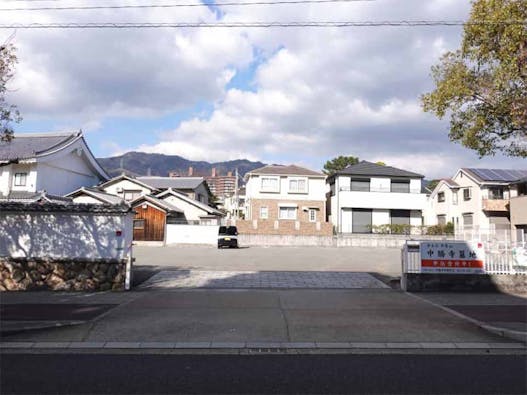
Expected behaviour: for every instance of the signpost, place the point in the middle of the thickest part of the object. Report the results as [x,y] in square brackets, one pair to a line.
[452,257]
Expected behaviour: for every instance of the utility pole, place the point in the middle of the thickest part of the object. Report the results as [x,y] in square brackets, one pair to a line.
[236,210]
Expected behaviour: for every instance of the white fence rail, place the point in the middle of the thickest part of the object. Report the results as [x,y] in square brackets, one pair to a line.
[511,259]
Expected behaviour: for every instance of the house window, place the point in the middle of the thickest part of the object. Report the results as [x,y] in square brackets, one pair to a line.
[287,213]
[454,197]
[312,215]
[468,220]
[360,185]
[400,186]
[495,193]
[297,185]
[20,179]
[400,217]
[441,197]
[441,219]
[270,184]
[361,221]
[130,195]
[467,194]
[264,213]
[139,223]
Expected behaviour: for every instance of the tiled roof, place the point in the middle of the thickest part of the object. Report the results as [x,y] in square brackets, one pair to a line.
[157,202]
[27,146]
[365,168]
[67,207]
[496,175]
[97,194]
[172,182]
[29,197]
[204,207]
[292,170]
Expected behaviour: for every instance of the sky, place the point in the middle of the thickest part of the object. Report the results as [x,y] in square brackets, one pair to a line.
[278,95]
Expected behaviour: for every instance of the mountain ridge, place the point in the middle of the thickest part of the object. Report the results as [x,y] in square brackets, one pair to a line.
[142,164]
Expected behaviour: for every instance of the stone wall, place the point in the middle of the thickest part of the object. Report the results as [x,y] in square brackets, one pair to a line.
[20,274]
[441,282]
[283,227]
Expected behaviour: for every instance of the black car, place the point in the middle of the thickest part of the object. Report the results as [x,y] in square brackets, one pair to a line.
[228,237]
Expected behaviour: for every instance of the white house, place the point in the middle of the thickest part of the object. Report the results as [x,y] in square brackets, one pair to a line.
[130,188]
[93,195]
[477,199]
[194,211]
[366,195]
[57,163]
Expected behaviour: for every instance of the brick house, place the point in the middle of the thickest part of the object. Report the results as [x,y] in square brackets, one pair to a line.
[286,200]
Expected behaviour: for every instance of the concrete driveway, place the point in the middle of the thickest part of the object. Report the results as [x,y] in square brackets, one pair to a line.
[385,261]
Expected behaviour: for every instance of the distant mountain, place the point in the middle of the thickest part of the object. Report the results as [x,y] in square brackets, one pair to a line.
[141,164]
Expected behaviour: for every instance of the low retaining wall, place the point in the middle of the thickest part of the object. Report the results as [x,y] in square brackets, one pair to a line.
[191,234]
[370,240]
[440,282]
[20,274]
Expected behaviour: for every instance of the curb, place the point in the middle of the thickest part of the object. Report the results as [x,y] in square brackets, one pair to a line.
[262,346]
[26,326]
[503,332]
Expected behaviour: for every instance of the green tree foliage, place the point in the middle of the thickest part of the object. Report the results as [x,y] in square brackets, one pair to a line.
[8,113]
[483,85]
[339,163]
[380,163]
[432,184]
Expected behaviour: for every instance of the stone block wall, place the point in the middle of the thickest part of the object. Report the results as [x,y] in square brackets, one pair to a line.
[20,274]
[283,227]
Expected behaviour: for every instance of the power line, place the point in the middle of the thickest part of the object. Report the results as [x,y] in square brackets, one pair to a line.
[135,25]
[199,4]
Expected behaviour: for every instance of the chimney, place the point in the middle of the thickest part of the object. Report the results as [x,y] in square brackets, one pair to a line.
[229,174]
[190,171]
[213,172]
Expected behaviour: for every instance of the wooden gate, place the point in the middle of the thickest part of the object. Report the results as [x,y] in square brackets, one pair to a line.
[149,223]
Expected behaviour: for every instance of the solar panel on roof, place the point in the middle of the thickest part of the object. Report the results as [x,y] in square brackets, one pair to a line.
[501,175]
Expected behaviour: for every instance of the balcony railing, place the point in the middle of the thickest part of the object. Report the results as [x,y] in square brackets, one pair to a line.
[495,204]
[377,189]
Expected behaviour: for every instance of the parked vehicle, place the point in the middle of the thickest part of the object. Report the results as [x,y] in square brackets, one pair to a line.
[228,237]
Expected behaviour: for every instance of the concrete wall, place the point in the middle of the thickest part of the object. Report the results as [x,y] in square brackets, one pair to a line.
[191,234]
[369,240]
[439,282]
[65,235]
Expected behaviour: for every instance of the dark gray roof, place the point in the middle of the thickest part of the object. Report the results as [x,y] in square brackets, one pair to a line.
[27,146]
[97,194]
[365,168]
[496,175]
[286,170]
[450,182]
[28,197]
[67,207]
[172,182]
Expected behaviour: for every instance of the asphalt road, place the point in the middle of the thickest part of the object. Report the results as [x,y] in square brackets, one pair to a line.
[271,374]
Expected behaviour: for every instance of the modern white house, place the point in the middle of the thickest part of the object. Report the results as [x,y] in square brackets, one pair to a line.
[475,199]
[285,200]
[366,195]
[56,163]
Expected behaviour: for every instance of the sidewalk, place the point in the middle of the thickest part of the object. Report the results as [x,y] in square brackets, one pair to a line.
[204,317]
[499,313]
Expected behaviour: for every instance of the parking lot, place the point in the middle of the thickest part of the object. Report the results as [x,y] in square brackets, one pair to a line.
[264,267]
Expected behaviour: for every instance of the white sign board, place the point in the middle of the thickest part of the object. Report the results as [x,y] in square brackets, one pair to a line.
[455,257]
